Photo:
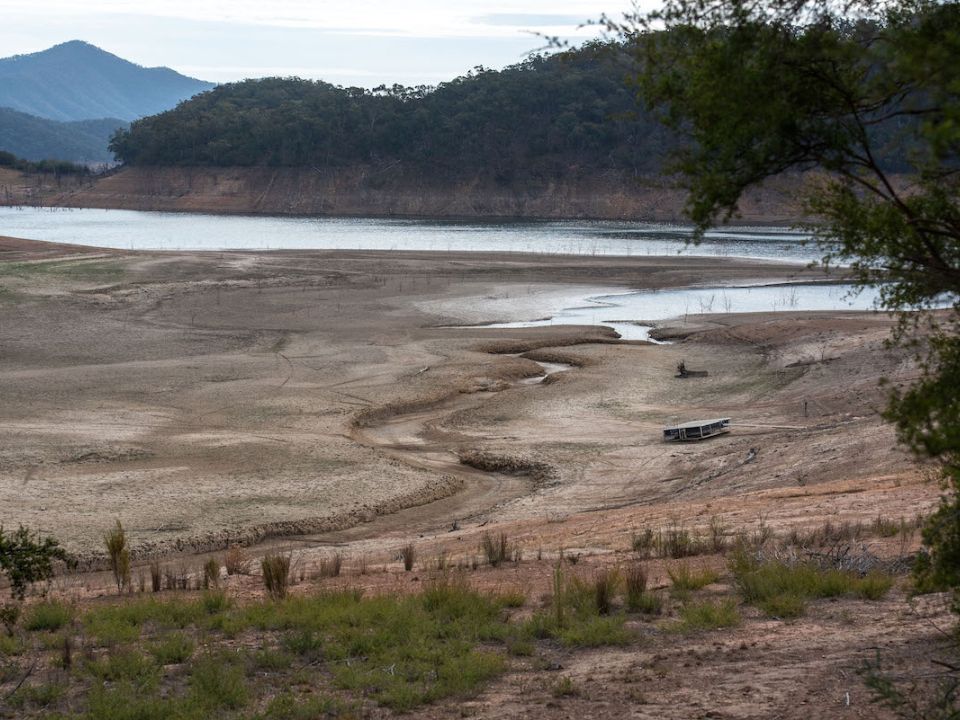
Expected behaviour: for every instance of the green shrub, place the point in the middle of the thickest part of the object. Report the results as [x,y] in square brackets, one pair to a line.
[604,587]
[288,707]
[874,586]
[267,659]
[124,701]
[642,542]
[684,579]
[36,696]
[762,582]
[783,606]
[9,614]
[125,664]
[119,555]
[215,601]
[648,603]
[708,616]
[596,631]
[635,584]
[48,615]
[124,622]
[218,681]
[10,646]
[172,649]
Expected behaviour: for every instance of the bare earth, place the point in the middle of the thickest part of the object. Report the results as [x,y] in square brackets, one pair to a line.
[310,399]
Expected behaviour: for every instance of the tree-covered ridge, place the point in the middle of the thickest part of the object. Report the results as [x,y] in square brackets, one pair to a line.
[35,138]
[542,117]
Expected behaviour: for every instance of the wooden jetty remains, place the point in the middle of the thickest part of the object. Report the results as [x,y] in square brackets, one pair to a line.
[696,430]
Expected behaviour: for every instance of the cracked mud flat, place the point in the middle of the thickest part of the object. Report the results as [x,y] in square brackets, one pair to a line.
[209,398]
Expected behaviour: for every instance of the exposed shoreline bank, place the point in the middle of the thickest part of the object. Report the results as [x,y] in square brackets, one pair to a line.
[362,192]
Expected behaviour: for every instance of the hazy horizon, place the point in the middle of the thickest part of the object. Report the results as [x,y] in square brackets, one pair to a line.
[360,43]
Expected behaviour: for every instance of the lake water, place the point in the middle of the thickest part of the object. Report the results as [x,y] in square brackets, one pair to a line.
[633,314]
[133,230]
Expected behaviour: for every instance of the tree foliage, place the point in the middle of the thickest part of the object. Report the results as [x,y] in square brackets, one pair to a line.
[541,118]
[27,558]
[863,99]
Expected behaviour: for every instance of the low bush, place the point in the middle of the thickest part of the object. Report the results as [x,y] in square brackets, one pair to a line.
[172,649]
[211,574]
[496,549]
[119,554]
[783,606]
[408,554]
[48,615]
[777,586]
[330,567]
[156,584]
[635,585]
[236,561]
[218,682]
[708,616]
[276,575]
[604,587]
[684,579]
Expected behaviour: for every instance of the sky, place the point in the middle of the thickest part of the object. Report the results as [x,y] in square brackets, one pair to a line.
[347,42]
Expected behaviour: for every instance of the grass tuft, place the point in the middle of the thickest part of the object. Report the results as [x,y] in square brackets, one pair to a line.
[172,649]
[778,587]
[685,580]
[708,615]
[276,575]
[48,615]
[496,549]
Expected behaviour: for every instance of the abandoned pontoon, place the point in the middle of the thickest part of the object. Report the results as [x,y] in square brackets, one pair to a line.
[696,430]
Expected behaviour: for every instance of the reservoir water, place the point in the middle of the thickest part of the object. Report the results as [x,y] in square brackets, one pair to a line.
[631,313]
[134,230]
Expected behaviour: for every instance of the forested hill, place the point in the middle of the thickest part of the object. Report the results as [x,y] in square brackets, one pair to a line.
[544,117]
[78,81]
[34,138]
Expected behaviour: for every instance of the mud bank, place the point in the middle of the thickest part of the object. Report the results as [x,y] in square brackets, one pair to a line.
[370,192]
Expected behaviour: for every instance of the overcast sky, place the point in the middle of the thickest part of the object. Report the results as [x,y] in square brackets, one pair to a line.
[347,42]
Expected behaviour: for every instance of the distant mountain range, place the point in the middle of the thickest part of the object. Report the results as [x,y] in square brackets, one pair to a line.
[70,98]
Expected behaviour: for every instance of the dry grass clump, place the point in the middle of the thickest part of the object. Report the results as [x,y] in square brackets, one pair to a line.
[496,549]
[676,542]
[685,579]
[276,575]
[236,561]
[119,554]
[156,577]
[211,574]
[605,584]
[330,566]
[408,553]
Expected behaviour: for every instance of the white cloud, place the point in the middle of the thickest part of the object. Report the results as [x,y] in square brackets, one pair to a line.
[349,42]
[420,18]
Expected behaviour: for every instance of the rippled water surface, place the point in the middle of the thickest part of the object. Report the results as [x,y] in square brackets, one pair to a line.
[133,230]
